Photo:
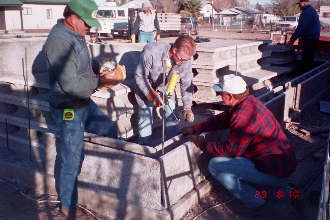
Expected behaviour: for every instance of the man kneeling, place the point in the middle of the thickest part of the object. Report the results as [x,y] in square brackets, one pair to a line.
[256,152]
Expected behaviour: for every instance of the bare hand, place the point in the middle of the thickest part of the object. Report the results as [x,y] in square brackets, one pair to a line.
[188,115]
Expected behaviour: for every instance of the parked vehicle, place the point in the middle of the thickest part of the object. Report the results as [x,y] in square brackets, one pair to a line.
[113,20]
[287,23]
[189,26]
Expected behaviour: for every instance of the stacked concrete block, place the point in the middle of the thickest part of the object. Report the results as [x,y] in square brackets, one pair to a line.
[250,60]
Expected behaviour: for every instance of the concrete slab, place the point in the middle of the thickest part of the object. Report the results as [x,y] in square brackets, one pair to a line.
[276,106]
[311,88]
[183,171]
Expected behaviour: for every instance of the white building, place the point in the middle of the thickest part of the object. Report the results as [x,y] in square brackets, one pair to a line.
[10,15]
[30,14]
[325,14]
[207,10]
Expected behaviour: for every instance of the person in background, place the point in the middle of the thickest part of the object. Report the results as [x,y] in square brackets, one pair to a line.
[308,30]
[149,79]
[72,82]
[256,152]
[146,23]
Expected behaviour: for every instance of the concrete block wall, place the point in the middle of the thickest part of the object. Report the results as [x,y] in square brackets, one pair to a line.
[256,62]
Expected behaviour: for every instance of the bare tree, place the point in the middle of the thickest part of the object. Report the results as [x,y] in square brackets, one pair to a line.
[223,4]
[167,6]
[318,3]
[259,7]
[285,7]
[244,3]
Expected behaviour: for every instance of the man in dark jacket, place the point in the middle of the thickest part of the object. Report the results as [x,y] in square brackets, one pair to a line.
[256,151]
[308,30]
[72,82]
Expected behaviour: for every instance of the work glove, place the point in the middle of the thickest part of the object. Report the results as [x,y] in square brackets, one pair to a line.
[154,98]
[133,38]
[188,115]
[112,77]
[187,130]
[199,140]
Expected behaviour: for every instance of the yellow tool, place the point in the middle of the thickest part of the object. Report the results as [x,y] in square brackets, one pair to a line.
[169,92]
[133,38]
[172,84]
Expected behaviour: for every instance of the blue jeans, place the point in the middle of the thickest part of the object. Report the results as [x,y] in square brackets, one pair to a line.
[146,119]
[146,37]
[69,147]
[238,175]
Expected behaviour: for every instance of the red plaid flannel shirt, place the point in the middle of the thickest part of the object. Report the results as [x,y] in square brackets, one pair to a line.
[254,134]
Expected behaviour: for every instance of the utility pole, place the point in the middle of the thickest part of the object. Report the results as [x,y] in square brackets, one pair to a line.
[212,16]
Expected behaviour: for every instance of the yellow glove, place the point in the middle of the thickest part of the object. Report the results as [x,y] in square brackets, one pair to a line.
[133,38]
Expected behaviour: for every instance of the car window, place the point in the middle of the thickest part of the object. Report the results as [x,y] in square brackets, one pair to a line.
[291,18]
[185,20]
[121,13]
[105,14]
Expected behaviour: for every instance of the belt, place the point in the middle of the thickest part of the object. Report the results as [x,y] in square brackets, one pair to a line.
[73,104]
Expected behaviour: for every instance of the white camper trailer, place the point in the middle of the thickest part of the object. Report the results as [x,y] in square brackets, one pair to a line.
[113,20]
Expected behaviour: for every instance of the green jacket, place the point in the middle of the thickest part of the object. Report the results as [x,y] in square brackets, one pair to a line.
[72,80]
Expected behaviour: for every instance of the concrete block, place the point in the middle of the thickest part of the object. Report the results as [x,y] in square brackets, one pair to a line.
[183,169]
[289,103]
[193,197]
[26,175]
[19,54]
[127,176]
[308,90]
[205,94]
[122,145]
[276,106]
[39,120]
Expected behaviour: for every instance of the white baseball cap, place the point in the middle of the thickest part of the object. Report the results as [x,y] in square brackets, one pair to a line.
[231,83]
[146,5]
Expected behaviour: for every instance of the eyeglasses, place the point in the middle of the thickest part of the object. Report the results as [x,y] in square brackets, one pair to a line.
[180,58]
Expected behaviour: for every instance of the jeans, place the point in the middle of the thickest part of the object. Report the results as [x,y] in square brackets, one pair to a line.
[146,37]
[309,47]
[239,176]
[69,147]
[146,119]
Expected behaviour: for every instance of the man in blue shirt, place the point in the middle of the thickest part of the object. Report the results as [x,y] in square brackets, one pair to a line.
[308,30]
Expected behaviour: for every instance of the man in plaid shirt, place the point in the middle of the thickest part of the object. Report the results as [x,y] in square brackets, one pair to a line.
[256,152]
